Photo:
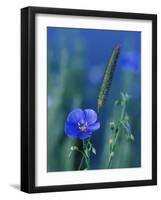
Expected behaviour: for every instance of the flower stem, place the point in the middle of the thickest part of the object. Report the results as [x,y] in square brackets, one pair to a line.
[116,135]
[86,152]
[85,155]
[81,162]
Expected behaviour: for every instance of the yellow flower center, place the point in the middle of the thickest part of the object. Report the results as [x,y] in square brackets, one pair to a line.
[82,127]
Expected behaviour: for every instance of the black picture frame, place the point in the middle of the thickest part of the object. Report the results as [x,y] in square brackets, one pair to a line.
[28,98]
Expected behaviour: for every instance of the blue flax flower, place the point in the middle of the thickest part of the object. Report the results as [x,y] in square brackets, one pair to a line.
[81,124]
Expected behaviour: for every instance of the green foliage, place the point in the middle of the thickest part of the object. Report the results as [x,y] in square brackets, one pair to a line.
[120,128]
[93,150]
[86,152]
[108,76]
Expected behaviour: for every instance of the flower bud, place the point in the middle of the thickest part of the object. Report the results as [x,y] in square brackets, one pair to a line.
[112,125]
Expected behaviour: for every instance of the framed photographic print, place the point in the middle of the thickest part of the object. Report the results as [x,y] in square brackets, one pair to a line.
[88,99]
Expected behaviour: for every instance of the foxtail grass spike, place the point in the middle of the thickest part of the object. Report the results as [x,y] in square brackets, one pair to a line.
[107,79]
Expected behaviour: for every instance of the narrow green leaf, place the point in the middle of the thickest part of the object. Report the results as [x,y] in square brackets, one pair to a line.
[93,150]
[108,76]
[86,152]
[132,137]
[89,145]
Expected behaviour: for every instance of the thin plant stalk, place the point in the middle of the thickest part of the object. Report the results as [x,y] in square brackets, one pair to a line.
[116,133]
[85,155]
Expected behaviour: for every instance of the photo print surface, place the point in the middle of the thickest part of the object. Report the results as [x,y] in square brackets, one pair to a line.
[94,99]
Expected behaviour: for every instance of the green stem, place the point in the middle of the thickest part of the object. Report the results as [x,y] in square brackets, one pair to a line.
[87,162]
[109,163]
[80,152]
[81,162]
[123,112]
[85,148]
[116,136]
[84,156]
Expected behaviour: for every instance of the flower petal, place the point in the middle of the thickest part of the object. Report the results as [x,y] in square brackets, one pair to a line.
[75,116]
[90,116]
[94,127]
[71,130]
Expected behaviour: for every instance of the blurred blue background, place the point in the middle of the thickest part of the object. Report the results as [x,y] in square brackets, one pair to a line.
[77,59]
